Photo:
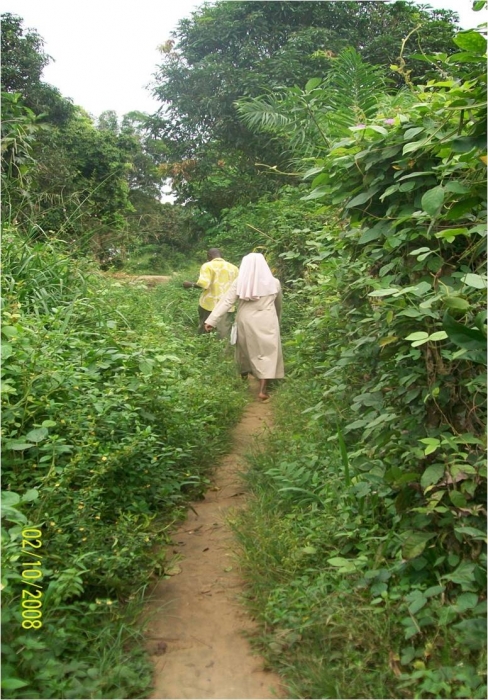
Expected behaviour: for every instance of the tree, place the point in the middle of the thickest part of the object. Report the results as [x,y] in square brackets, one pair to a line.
[23,57]
[23,60]
[234,50]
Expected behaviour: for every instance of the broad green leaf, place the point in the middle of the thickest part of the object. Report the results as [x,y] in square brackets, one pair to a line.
[382,292]
[408,186]
[416,174]
[6,351]
[473,532]
[432,475]
[412,146]
[389,190]
[340,562]
[312,171]
[361,198]
[48,424]
[434,590]
[463,144]
[387,340]
[450,233]
[10,498]
[480,321]
[18,446]
[410,133]
[433,200]
[37,435]
[456,187]
[468,439]
[13,683]
[472,42]
[456,303]
[379,129]
[417,251]
[417,604]
[312,84]
[418,335]
[415,543]
[466,601]
[370,234]
[10,331]
[457,499]
[30,495]
[317,193]
[462,336]
[473,280]
[438,335]
[422,288]
[461,208]
[146,367]
[463,58]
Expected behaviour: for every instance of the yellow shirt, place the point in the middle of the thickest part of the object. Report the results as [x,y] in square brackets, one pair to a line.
[216,276]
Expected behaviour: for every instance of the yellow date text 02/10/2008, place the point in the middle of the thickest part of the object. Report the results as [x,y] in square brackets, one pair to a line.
[31,603]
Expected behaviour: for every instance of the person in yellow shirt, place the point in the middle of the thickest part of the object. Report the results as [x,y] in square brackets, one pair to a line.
[216,276]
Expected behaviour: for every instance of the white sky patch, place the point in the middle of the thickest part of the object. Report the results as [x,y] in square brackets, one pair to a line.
[105,51]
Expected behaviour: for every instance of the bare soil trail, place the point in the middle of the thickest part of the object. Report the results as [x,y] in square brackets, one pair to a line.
[196,634]
[148,280]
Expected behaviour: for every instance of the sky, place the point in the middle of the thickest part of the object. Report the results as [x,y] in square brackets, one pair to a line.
[105,51]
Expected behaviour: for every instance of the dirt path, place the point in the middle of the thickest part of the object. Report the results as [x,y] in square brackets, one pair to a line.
[148,280]
[195,635]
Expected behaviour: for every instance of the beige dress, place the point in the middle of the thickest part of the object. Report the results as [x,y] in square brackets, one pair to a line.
[258,347]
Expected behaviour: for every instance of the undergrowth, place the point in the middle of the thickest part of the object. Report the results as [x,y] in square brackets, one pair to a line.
[113,410]
[332,605]
[365,546]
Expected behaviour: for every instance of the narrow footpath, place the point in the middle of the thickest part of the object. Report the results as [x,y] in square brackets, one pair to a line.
[196,634]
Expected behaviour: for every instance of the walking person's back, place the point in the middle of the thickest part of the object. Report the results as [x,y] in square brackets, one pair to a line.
[258,296]
[216,276]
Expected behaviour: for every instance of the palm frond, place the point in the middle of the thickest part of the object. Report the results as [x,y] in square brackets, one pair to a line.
[264,114]
[309,119]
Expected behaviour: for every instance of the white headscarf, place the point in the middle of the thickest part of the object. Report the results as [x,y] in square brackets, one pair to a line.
[255,278]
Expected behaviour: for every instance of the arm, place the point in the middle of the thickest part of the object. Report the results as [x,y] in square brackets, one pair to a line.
[204,281]
[224,305]
[278,302]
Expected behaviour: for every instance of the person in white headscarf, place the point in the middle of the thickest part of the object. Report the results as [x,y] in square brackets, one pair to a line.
[258,297]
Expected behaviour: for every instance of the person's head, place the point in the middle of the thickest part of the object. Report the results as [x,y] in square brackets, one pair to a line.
[255,278]
[213,253]
[255,261]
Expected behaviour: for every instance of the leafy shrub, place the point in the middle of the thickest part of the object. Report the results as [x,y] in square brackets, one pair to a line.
[387,354]
[109,417]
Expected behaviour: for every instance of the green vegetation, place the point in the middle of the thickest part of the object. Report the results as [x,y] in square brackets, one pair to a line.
[365,544]
[230,50]
[110,424]
[95,184]
[351,149]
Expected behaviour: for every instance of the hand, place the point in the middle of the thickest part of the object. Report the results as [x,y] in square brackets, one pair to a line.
[188,285]
[208,328]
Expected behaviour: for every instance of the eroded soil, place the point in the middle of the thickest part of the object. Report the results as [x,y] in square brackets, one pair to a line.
[148,280]
[196,633]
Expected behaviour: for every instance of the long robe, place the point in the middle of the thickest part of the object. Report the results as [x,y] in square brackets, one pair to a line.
[258,347]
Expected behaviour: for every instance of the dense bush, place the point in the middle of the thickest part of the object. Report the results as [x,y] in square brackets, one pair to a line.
[377,475]
[108,420]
